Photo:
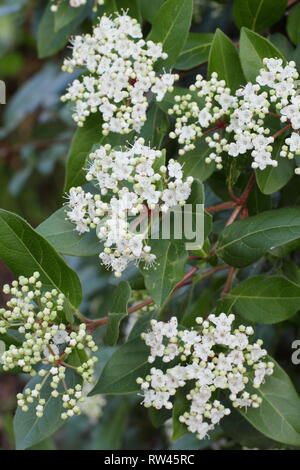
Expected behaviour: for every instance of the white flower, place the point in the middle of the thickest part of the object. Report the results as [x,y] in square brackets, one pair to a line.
[237,124]
[121,74]
[135,188]
[204,367]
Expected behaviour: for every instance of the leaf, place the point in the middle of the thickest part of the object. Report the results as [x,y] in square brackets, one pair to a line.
[272,178]
[240,430]
[131,7]
[278,415]
[29,429]
[194,164]
[253,49]
[170,27]
[118,311]
[24,251]
[109,433]
[245,241]
[171,258]
[283,44]
[82,143]
[2,349]
[61,234]
[149,9]
[129,362]
[156,126]
[181,405]
[263,299]
[258,15]
[66,15]
[50,41]
[224,59]
[293,24]
[195,51]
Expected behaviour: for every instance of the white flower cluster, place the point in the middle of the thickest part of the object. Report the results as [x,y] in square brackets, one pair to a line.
[120,67]
[47,346]
[240,122]
[138,182]
[74,4]
[213,357]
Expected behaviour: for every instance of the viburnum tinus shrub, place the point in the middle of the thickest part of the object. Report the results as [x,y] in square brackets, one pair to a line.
[167,118]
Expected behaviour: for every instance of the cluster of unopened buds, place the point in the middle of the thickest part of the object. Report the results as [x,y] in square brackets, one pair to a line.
[132,182]
[121,75]
[74,4]
[211,358]
[235,124]
[48,345]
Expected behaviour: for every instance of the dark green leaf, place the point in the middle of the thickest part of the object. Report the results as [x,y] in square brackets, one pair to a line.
[29,429]
[245,241]
[63,237]
[262,299]
[171,258]
[118,311]
[129,362]
[278,415]
[224,59]
[83,141]
[293,25]
[50,41]
[149,9]
[66,15]
[24,251]
[194,161]
[258,14]
[253,49]
[156,126]
[170,27]
[195,51]
[181,405]
[272,178]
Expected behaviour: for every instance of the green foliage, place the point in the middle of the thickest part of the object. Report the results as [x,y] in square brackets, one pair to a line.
[245,241]
[25,251]
[61,235]
[224,59]
[293,27]
[170,27]
[258,15]
[251,225]
[262,299]
[277,417]
[253,49]
[118,311]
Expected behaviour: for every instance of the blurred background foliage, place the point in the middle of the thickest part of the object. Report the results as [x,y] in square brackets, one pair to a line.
[35,132]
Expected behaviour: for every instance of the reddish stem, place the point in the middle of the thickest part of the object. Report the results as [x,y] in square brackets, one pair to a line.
[285,128]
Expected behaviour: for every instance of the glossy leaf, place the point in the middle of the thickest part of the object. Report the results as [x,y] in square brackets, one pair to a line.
[278,415]
[118,311]
[253,49]
[245,241]
[293,25]
[122,369]
[258,15]
[195,51]
[224,59]
[170,27]
[171,258]
[63,237]
[24,251]
[83,141]
[262,299]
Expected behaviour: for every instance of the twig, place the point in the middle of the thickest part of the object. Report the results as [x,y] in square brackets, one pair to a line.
[232,271]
